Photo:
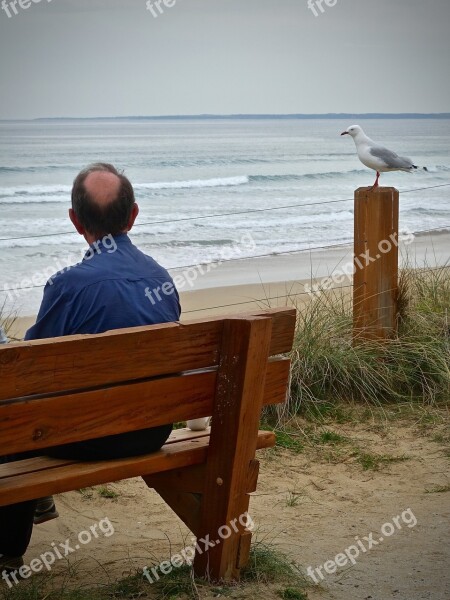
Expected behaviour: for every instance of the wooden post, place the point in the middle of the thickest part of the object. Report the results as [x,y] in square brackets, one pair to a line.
[232,448]
[375,280]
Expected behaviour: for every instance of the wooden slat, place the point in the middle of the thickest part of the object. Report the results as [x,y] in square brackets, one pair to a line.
[79,475]
[85,361]
[46,422]
[41,423]
[77,362]
[31,465]
[42,463]
[73,476]
[283,326]
[183,434]
[277,379]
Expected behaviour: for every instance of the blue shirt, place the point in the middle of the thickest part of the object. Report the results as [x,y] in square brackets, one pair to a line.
[115,286]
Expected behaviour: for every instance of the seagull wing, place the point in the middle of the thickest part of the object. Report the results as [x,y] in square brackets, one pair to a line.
[391,159]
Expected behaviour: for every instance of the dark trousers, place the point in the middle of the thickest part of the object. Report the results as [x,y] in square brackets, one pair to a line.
[16,520]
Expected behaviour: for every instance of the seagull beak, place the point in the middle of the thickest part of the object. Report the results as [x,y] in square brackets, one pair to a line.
[345,133]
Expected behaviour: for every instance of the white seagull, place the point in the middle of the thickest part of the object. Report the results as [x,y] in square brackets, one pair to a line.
[377,157]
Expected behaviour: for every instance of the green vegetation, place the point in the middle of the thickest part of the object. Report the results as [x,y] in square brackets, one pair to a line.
[86,493]
[327,445]
[293,498]
[179,425]
[292,594]
[7,320]
[287,437]
[328,369]
[373,462]
[438,489]
[179,583]
[330,437]
[106,492]
[267,566]
[441,438]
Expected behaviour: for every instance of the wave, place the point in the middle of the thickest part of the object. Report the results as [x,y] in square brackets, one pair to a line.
[281,223]
[37,169]
[431,211]
[438,168]
[185,162]
[49,192]
[437,231]
[243,180]
[33,190]
[61,193]
[43,199]
[35,194]
[194,183]
[305,176]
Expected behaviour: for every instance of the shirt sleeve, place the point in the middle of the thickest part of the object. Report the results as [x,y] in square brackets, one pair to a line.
[53,319]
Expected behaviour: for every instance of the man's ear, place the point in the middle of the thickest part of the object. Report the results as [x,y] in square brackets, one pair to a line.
[75,221]
[133,216]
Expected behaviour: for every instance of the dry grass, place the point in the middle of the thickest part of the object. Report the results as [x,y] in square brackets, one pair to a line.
[413,366]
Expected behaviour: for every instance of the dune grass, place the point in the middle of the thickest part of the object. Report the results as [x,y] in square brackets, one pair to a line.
[7,319]
[267,567]
[413,366]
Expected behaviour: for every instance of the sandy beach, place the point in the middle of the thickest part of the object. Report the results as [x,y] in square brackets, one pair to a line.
[311,505]
[240,286]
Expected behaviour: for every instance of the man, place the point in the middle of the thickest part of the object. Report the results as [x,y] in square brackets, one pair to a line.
[107,290]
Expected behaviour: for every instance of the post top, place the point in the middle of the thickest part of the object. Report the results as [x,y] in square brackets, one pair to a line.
[377,190]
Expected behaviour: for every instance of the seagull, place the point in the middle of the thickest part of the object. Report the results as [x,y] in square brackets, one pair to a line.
[377,157]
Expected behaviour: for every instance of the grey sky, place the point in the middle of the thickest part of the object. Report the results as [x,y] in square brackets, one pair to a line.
[112,57]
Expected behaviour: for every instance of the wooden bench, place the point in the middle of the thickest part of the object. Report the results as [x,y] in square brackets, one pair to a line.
[76,388]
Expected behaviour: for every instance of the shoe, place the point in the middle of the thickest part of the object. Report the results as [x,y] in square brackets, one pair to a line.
[10,563]
[45,510]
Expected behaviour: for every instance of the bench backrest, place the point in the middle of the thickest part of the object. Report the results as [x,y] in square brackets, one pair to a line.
[75,388]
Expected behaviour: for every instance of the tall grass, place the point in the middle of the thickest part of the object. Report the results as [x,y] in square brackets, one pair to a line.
[267,566]
[7,318]
[414,365]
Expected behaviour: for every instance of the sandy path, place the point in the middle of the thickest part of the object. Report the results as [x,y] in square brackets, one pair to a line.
[334,502]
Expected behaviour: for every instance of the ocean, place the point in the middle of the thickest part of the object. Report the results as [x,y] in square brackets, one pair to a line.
[204,186]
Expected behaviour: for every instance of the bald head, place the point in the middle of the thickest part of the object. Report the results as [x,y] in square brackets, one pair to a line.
[103,187]
[102,202]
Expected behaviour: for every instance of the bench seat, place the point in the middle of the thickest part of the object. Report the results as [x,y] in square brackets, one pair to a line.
[45,476]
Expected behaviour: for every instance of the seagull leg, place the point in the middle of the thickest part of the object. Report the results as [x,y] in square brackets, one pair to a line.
[376,182]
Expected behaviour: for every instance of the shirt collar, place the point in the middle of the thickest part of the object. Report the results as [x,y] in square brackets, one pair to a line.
[108,243]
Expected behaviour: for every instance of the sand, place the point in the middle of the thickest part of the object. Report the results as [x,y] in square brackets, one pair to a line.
[310,505]
[245,285]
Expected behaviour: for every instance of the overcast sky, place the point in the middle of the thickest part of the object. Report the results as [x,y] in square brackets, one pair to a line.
[113,58]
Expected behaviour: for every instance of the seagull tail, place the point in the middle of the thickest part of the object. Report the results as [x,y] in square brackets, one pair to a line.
[423,168]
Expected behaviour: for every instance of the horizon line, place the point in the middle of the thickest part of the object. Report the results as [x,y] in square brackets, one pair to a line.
[211,116]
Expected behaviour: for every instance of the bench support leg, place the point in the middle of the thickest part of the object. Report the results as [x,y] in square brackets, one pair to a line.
[223,542]
[184,504]
[183,489]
